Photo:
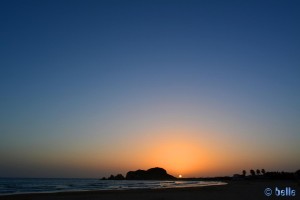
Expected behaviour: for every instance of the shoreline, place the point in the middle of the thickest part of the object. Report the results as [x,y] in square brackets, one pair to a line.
[242,189]
[216,183]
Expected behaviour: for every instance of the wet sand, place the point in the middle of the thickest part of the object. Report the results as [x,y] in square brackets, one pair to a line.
[234,190]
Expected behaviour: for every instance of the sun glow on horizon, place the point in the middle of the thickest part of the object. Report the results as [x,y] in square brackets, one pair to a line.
[177,153]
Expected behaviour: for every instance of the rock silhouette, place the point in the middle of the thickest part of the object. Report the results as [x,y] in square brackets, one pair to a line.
[150,174]
[119,177]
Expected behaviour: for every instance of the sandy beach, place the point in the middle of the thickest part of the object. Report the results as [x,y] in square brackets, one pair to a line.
[246,190]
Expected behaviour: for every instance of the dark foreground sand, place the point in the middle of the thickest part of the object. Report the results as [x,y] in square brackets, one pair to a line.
[236,190]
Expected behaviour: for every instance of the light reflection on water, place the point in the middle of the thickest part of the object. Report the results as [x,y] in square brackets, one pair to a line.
[17,186]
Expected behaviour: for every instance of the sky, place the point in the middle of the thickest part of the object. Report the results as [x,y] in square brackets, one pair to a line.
[200,88]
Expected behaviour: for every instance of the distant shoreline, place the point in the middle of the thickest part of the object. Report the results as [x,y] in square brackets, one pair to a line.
[113,191]
[95,185]
[244,189]
[105,191]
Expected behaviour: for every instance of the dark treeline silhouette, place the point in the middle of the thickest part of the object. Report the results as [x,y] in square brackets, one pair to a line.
[280,175]
[244,172]
[262,174]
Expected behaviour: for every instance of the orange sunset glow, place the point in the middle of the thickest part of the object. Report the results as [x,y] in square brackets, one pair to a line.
[91,89]
[175,150]
[178,155]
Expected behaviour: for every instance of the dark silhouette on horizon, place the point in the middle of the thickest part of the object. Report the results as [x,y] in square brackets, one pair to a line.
[258,172]
[244,172]
[262,174]
[151,174]
[156,173]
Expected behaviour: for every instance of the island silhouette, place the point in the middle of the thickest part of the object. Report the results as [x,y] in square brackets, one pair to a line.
[155,173]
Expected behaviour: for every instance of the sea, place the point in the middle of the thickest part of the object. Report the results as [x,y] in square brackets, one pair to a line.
[10,186]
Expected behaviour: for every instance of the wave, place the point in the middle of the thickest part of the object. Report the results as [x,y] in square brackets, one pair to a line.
[19,186]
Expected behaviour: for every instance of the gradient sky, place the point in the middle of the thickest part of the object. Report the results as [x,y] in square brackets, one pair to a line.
[200,88]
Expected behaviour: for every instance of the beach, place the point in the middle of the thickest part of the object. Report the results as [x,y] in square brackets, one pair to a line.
[149,100]
[242,189]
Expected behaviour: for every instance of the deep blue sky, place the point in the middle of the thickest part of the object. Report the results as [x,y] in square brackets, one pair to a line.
[72,70]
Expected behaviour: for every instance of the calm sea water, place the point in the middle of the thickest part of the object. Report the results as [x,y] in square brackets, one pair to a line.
[17,186]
